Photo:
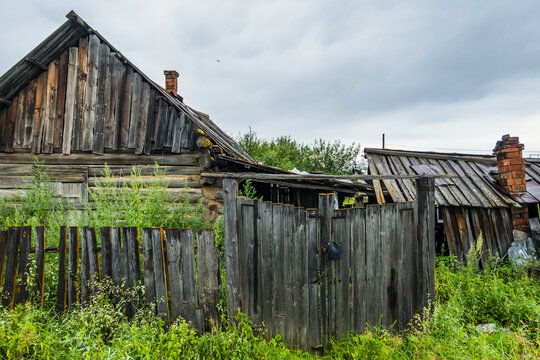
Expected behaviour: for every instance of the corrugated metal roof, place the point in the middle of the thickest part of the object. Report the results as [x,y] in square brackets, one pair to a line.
[473,186]
[68,35]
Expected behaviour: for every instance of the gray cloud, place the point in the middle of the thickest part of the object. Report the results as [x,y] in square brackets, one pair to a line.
[430,75]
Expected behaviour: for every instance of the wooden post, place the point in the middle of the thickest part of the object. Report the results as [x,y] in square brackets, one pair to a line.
[40,262]
[209,276]
[230,191]
[61,290]
[425,197]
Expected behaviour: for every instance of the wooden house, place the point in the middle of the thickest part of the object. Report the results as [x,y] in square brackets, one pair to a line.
[490,194]
[77,104]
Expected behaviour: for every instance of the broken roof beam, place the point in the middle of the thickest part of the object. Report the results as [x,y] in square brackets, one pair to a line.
[255,176]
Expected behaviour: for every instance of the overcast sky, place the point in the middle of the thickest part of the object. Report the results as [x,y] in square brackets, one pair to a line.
[431,75]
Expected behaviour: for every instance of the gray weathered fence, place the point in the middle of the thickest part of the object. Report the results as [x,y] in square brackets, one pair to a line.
[169,272]
[280,273]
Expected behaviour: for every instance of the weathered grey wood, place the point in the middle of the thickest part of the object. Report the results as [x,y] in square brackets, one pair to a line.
[188,271]
[209,278]
[390,248]
[181,181]
[106,249]
[41,93]
[148,267]
[82,75]
[358,269]
[163,125]
[266,263]
[174,268]
[186,141]
[302,294]
[405,238]
[181,133]
[3,251]
[246,240]
[29,110]
[19,121]
[126,108]
[21,290]
[93,262]
[85,266]
[171,123]
[342,225]
[425,189]
[71,97]
[10,277]
[230,221]
[133,264]
[325,212]
[278,310]
[102,100]
[60,100]
[118,274]
[142,120]
[289,273]
[113,126]
[61,290]
[373,265]
[49,117]
[313,279]
[8,131]
[159,273]
[73,270]
[153,113]
[90,98]
[40,264]
[134,110]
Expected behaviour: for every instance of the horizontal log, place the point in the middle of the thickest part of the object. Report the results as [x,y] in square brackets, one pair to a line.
[94,170]
[111,159]
[8,182]
[171,195]
[259,176]
[171,181]
[50,171]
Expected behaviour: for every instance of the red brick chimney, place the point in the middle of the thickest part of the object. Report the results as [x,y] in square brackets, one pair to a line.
[511,168]
[171,83]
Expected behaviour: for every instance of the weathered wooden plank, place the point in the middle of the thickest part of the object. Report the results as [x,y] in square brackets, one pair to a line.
[113,126]
[135,110]
[21,290]
[8,292]
[159,273]
[19,121]
[426,230]
[174,273]
[302,294]
[82,75]
[106,249]
[73,270]
[61,290]
[3,251]
[133,263]
[186,127]
[209,278]
[41,93]
[326,212]
[390,254]
[246,253]
[358,269]
[85,266]
[40,264]
[71,99]
[93,262]
[189,280]
[8,131]
[148,266]
[3,119]
[373,266]
[404,237]
[258,260]
[178,131]
[290,274]
[126,108]
[230,221]
[142,120]
[278,276]
[102,99]
[60,100]
[342,226]
[90,97]
[153,113]
[171,123]
[313,259]
[266,263]
[180,174]
[28,116]
[161,129]
[49,117]
[118,274]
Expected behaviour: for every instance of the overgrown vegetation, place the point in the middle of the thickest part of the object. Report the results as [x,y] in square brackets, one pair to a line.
[286,153]
[464,298]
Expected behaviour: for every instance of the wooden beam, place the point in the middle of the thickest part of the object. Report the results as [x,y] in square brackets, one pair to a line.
[91,159]
[5,102]
[257,176]
[433,155]
[36,63]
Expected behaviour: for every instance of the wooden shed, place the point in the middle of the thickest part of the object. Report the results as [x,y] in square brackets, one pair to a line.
[77,104]
[475,201]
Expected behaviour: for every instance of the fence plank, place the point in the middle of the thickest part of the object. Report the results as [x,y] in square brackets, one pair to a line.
[425,198]
[301,277]
[133,266]
[313,259]
[40,263]
[106,261]
[343,270]
[390,248]
[246,248]
[11,267]
[373,263]
[93,262]
[174,272]
[230,191]
[258,260]
[85,267]
[159,273]
[21,291]
[278,278]
[189,280]
[266,267]
[209,277]
[117,272]
[61,290]
[3,251]
[405,238]
[325,213]
[73,266]
[358,269]
[289,271]
[148,267]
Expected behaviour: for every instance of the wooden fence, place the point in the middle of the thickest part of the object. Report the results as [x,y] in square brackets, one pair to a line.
[280,267]
[169,269]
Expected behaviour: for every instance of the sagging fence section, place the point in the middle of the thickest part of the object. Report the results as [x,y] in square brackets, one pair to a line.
[311,274]
[180,285]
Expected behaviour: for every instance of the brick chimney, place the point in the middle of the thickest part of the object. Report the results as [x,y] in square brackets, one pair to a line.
[511,169]
[171,83]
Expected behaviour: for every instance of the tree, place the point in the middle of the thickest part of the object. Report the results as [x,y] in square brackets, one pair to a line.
[286,153]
